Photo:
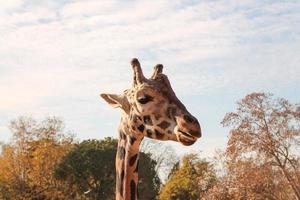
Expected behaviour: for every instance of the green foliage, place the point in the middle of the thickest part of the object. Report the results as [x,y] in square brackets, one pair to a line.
[188,181]
[149,182]
[90,170]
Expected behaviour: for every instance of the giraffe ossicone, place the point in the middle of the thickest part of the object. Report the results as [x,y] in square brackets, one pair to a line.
[150,109]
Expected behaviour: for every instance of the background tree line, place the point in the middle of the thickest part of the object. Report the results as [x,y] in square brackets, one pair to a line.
[44,162]
[261,160]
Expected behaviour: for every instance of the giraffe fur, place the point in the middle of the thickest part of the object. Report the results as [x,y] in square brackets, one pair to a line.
[150,109]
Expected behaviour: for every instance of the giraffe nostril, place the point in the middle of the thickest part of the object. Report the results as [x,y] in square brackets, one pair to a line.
[188,119]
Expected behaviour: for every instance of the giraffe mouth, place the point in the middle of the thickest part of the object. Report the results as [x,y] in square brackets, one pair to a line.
[185,138]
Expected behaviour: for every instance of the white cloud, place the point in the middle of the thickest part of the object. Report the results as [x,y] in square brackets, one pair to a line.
[93,33]
[7,6]
[57,58]
[88,8]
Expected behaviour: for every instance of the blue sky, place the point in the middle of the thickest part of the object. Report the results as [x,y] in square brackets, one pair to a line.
[57,56]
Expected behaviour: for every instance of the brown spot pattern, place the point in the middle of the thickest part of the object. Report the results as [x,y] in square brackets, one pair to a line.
[158,134]
[164,125]
[133,159]
[141,128]
[132,139]
[149,133]
[132,190]
[147,120]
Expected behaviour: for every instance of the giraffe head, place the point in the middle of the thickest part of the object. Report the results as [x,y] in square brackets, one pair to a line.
[152,109]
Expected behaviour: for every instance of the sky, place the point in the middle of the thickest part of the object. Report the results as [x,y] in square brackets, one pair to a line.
[57,56]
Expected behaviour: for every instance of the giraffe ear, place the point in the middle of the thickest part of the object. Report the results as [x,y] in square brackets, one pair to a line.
[116,101]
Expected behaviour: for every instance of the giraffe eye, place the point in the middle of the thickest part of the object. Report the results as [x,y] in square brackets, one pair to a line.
[145,99]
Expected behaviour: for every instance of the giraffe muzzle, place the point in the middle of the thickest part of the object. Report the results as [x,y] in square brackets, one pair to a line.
[185,138]
[188,129]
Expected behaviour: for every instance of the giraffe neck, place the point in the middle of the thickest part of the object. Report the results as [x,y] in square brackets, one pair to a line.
[127,166]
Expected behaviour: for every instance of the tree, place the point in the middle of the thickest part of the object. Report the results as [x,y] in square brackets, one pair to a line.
[90,168]
[164,156]
[266,132]
[189,181]
[251,181]
[28,161]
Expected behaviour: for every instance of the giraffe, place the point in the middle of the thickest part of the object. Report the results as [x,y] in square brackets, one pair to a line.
[149,108]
